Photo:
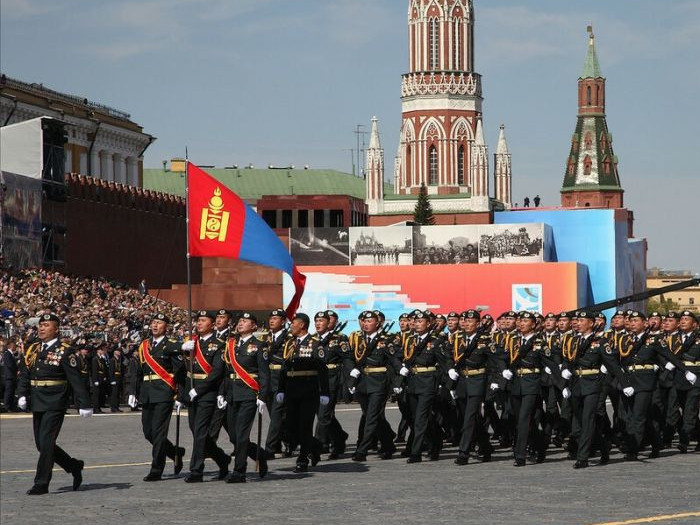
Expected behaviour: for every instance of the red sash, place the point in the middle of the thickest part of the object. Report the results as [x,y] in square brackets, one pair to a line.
[156,366]
[203,363]
[240,371]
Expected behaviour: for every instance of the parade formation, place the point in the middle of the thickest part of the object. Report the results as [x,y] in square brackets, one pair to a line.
[524,382]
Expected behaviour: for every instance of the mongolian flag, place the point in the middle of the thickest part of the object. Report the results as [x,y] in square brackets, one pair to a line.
[222,225]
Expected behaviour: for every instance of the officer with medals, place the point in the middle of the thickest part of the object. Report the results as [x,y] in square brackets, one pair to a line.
[157,371]
[303,386]
[687,391]
[276,338]
[641,356]
[550,394]
[667,395]
[47,372]
[334,348]
[526,360]
[222,326]
[203,350]
[423,358]
[473,356]
[585,364]
[243,366]
[372,363]
[398,341]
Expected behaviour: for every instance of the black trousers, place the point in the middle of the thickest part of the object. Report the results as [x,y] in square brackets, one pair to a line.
[8,395]
[218,421]
[550,421]
[301,412]
[155,419]
[99,395]
[47,426]
[199,415]
[473,426]
[375,426]
[115,395]
[637,408]
[241,416]
[421,405]
[527,431]
[585,427]
[328,428]
[689,401]
[275,431]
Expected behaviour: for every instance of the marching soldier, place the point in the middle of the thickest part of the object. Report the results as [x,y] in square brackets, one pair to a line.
[399,341]
[328,429]
[687,390]
[371,362]
[641,356]
[203,350]
[550,393]
[222,326]
[47,369]
[116,369]
[585,364]
[243,364]
[423,356]
[667,391]
[276,338]
[473,354]
[158,368]
[303,386]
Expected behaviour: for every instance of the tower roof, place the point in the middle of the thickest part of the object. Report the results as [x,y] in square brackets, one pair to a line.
[374,142]
[479,139]
[591,67]
[502,148]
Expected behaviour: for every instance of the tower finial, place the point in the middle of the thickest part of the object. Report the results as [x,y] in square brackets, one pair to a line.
[591,68]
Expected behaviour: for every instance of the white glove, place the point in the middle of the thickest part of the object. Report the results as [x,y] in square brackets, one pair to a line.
[85,412]
[221,402]
[193,394]
[670,366]
[351,390]
[507,374]
[453,394]
[261,405]
[97,383]
[691,377]
[494,386]
[113,383]
[603,369]
[629,391]
[178,407]
[397,390]
[324,400]
[404,371]
[188,345]
[566,374]
[132,401]
[355,373]
[453,374]
[566,393]
[22,403]
[279,397]
[548,370]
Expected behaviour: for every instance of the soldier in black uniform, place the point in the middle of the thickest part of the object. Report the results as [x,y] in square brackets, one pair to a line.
[398,341]
[48,371]
[423,360]
[372,363]
[641,356]
[9,376]
[243,366]
[203,350]
[585,364]
[550,393]
[276,338]
[473,357]
[116,373]
[687,391]
[222,331]
[303,386]
[329,431]
[667,391]
[158,369]
[100,377]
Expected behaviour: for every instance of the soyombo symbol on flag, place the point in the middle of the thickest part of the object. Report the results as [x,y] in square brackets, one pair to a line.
[222,225]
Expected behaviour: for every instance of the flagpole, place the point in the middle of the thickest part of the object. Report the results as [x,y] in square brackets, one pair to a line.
[189,275]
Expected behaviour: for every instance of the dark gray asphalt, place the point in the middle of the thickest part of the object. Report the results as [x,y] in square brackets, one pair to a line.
[334,492]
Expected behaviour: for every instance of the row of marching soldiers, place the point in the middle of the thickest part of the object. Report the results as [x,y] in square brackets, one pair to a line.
[533,381]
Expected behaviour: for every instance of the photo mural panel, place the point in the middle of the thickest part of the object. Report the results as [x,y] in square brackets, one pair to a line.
[511,243]
[456,244]
[320,246]
[381,246]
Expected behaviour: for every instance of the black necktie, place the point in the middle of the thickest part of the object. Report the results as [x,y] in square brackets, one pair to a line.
[44,347]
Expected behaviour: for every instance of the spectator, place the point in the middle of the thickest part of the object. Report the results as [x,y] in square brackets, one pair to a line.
[143,289]
[537,201]
[9,375]
[526,202]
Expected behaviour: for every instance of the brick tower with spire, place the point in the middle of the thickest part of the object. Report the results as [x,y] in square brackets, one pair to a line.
[592,178]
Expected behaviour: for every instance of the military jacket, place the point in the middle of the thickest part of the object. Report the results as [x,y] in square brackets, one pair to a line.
[275,350]
[584,357]
[425,359]
[144,379]
[476,360]
[527,362]
[304,372]
[252,356]
[639,356]
[689,353]
[377,361]
[209,351]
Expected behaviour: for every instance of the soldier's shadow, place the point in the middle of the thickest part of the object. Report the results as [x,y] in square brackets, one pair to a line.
[340,467]
[96,486]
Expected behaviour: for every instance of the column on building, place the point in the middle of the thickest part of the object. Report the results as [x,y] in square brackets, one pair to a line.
[119,168]
[95,164]
[132,171]
[106,165]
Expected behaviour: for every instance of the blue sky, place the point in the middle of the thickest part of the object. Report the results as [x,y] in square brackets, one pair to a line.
[274,81]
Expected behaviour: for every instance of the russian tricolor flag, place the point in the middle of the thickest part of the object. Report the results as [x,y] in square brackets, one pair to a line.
[222,225]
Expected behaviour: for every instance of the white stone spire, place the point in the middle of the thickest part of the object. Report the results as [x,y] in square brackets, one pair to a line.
[480,164]
[502,170]
[374,171]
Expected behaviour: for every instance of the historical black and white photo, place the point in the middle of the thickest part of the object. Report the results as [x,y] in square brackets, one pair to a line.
[511,243]
[381,246]
[445,244]
[320,246]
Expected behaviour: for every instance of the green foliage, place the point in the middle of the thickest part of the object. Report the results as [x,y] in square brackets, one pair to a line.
[423,214]
[661,305]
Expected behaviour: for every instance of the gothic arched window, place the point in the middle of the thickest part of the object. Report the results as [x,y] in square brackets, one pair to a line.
[460,166]
[434,42]
[457,45]
[433,166]
[407,168]
[588,96]
[587,165]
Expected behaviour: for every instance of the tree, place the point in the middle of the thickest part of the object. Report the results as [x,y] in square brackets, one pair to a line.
[661,305]
[423,214]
